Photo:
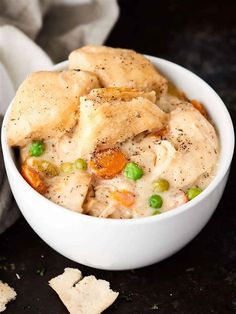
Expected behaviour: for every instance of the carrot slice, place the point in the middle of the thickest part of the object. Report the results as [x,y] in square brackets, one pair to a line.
[124,197]
[108,163]
[33,178]
[160,133]
[197,105]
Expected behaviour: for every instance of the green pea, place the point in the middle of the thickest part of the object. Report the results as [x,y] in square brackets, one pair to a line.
[193,192]
[46,167]
[155,201]
[133,171]
[161,185]
[67,167]
[37,148]
[80,164]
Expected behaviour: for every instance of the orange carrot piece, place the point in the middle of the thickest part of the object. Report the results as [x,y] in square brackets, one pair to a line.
[108,163]
[160,133]
[197,105]
[123,197]
[33,178]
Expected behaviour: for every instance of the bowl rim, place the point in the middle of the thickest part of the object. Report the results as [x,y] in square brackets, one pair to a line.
[139,220]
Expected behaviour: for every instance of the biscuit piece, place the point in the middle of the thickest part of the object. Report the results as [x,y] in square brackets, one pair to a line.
[6,295]
[119,68]
[108,117]
[69,190]
[197,147]
[83,296]
[46,105]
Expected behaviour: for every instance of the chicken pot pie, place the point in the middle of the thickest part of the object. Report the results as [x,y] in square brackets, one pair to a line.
[111,137]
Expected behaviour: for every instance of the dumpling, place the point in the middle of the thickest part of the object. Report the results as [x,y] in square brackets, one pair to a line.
[197,146]
[46,105]
[116,67]
[69,190]
[110,116]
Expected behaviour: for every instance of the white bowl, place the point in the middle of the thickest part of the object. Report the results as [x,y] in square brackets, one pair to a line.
[127,244]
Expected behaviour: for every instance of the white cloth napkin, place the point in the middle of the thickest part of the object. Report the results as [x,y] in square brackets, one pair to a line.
[33,35]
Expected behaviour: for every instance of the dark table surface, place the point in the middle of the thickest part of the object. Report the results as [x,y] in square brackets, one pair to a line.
[201,278]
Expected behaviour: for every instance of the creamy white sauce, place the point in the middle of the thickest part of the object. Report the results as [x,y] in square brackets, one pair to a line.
[186,156]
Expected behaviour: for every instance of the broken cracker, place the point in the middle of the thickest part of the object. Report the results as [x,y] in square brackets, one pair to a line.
[83,296]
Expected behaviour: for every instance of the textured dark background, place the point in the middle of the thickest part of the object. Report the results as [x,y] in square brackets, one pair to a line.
[200,279]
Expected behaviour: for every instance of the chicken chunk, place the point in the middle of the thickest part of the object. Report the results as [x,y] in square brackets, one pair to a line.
[119,68]
[125,116]
[46,105]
